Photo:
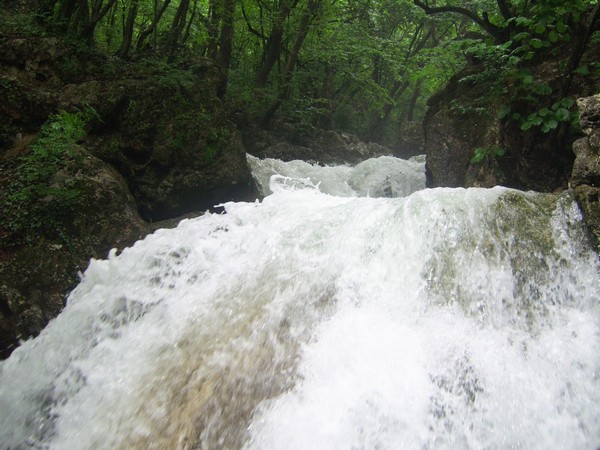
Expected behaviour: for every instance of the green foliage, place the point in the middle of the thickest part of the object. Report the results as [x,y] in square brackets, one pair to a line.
[14,23]
[37,201]
[549,118]
[365,66]
[537,30]
[544,28]
[359,67]
[486,154]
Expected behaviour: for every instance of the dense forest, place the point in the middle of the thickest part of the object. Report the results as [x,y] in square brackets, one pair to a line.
[365,66]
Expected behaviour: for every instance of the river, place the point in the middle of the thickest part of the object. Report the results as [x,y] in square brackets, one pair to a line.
[351,308]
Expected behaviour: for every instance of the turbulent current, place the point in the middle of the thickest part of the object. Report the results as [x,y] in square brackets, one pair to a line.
[349,309]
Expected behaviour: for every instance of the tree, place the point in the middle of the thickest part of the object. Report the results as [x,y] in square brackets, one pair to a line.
[523,32]
[272,48]
[225,44]
[309,12]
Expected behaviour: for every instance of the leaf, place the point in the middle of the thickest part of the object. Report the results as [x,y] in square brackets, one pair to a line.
[528,79]
[514,60]
[540,28]
[562,114]
[523,21]
[582,70]
[521,36]
[567,102]
[542,89]
[478,155]
[521,49]
[544,112]
[550,125]
[536,43]
[553,36]
[499,151]
[561,27]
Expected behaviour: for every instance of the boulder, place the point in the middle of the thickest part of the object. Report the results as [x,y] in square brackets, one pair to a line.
[481,112]
[48,240]
[460,118]
[169,136]
[157,145]
[585,178]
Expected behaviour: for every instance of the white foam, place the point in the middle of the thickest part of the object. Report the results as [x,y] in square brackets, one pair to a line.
[449,318]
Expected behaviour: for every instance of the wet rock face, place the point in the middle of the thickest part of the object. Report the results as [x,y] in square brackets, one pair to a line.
[585,178]
[460,119]
[470,116]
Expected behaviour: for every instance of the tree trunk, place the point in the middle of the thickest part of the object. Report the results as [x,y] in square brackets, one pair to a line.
[579,49]
[98,12]
[153,26]
[125,48]
[213,29]
[188,27]
[410,115]
[290,66]
[499,34]
[273,46]
[326,95]
[177,27]
[225,45]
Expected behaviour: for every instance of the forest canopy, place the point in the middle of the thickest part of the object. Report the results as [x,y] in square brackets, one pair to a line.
[366,66]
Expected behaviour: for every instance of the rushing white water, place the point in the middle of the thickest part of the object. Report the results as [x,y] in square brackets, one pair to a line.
[444,319]
[378,177]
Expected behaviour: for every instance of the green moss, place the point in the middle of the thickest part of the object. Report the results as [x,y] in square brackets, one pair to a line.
[38,199]
[210,153]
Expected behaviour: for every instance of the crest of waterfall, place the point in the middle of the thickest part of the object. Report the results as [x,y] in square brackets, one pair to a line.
[350,309]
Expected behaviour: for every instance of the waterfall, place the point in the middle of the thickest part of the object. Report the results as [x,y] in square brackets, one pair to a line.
[349,309]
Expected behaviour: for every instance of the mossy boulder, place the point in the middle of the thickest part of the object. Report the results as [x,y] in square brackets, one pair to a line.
[168,135]
[585,178]
[154,143]
[50,233]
